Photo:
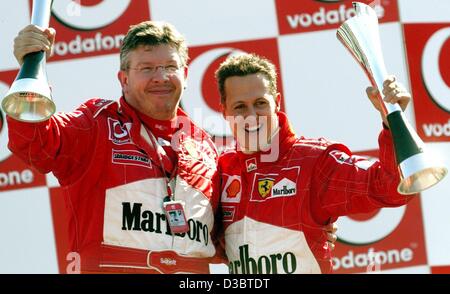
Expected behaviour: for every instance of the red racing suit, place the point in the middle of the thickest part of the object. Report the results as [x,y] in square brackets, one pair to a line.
[275,206]
[114,187]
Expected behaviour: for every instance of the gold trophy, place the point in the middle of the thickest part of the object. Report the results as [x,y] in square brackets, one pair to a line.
[418,169]
[29,98]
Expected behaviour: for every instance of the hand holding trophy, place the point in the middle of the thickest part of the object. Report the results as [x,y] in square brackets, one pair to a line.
[418,169]
[29,98]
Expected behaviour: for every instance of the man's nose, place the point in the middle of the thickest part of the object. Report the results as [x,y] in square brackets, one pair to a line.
[251,119]
[160,74]
[251,111]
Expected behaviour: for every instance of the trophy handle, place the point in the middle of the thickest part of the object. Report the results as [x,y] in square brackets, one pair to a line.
[418,169]
[40,15]
[29,98]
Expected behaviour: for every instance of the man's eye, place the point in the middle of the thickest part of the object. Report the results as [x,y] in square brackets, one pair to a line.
[146,69]
[240,106]
[171,68]
[260,103]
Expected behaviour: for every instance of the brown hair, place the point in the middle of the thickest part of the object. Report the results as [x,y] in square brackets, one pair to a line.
[152,33]
[242,65]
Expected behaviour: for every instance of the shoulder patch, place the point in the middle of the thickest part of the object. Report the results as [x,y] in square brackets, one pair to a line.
[227,155]
[228,150]
[96,105]
[320,143]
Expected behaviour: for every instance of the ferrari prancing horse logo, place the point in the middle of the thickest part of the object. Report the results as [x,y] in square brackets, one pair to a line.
[265,186]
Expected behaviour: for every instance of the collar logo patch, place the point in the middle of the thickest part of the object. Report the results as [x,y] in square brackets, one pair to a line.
[251,164]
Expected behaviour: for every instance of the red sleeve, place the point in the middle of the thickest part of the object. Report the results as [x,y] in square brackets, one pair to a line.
[218,233]
[344,184]
[63,144]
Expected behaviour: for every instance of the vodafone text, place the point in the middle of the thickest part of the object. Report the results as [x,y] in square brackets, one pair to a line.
[371,257]
[87,45]
[323,17]
[14,177]
[437,129]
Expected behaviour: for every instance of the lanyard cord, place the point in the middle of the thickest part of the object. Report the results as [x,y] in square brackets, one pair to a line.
[167,179]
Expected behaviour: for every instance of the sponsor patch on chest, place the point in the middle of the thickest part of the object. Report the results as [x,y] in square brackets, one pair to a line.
[275,185]
[119,133]
[228,213]
[131,157]
[231,189]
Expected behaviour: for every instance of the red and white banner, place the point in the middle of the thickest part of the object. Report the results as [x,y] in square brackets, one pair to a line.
[428,50]
[92,28]
[316,15]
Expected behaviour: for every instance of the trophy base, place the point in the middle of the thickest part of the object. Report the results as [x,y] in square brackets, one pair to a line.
[419,173]
[29,100]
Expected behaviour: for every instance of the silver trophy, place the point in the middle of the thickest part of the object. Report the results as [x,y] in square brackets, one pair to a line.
[29,98]
[418,169]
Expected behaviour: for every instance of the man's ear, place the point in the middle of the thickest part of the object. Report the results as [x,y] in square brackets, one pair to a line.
[123,79]
[222,109]
[185,73]
[278,102]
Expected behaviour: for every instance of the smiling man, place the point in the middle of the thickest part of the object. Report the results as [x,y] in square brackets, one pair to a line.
[136,173]
[275,208]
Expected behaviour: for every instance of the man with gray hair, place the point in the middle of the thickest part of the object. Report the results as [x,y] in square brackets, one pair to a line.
[137,174]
